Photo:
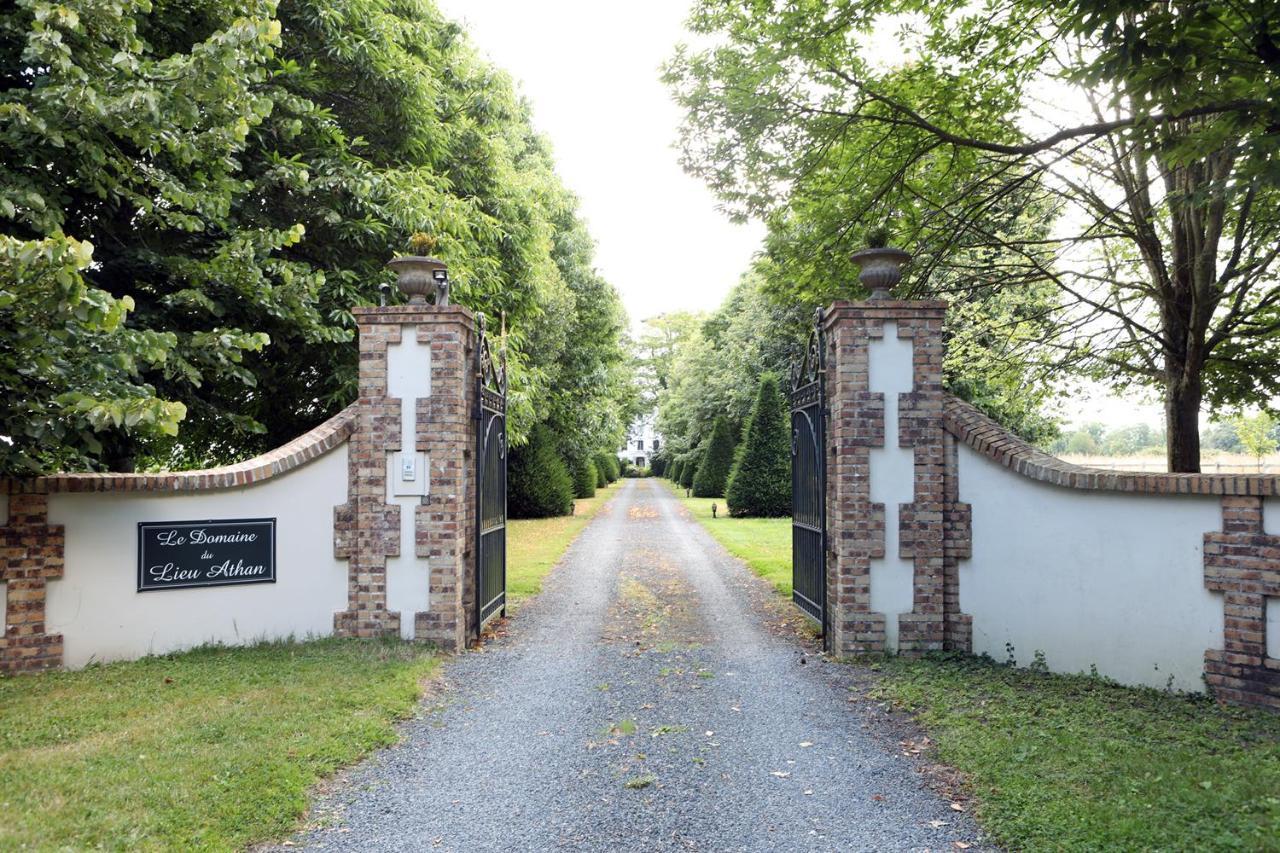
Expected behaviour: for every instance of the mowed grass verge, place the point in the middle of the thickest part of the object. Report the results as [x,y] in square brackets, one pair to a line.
[211,749]
[535,545]
[1078,763]
[764,544]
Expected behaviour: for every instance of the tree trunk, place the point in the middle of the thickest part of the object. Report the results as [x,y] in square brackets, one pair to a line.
[1183,394]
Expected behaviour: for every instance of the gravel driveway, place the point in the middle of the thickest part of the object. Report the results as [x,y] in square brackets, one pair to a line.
[654,697]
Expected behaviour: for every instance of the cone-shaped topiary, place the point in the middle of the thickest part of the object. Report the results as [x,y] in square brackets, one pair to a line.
[760,484]
[602,471]
[538,482]
[692,458]
[584,478]
[675,470]
[717,461]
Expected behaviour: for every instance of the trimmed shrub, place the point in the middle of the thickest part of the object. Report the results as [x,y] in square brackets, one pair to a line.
[615,467]
[690,468]
[602,476]
[606,467]
[584,479]
[675,470]
[760,484]
[717,461]
[538,482]
[657,465]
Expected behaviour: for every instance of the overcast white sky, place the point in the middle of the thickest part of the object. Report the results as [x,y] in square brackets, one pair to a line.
[591,69]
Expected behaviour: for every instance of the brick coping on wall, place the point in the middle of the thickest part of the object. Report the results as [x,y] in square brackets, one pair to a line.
[995,442]
[273,463]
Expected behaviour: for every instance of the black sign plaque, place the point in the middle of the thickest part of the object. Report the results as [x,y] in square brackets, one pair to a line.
[177,554]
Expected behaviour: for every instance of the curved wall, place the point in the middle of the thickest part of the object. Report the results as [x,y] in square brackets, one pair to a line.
[1101,580]
[101,616]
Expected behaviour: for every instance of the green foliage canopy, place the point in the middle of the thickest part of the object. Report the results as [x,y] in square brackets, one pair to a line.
[1130,239]
[243,172]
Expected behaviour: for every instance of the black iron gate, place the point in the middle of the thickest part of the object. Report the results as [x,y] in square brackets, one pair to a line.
[809,479]
[491,480]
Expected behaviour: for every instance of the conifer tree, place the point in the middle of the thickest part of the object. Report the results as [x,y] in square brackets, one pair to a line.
[713,472]
[760,484]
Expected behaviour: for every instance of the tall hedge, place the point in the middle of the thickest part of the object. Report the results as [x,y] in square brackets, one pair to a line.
[608,463]
[717,461]
[584,478]
[760,484]
[690,468]
[538,481]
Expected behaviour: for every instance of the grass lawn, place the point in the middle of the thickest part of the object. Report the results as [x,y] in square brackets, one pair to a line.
[1069,762]
[764,544]
[535,545]
[1076,763]
[211,749]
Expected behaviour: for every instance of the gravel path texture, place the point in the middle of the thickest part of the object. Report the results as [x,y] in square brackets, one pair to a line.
[654,697]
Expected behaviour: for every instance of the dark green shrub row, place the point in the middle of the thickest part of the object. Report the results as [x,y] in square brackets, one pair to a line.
[584,478]
[538,482]
[541,484]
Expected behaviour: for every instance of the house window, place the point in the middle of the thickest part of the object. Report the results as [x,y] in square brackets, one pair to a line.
[640,444]
[639,461]
[655,444]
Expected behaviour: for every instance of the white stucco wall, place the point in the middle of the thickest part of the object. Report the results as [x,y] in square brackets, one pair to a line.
[1105,579]
[892,479]
[101,615]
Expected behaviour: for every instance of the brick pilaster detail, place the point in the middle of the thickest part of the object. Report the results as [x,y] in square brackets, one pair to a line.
[855,526]
[957,545]
[366,527]
[1243,563]
[444,526]
[920,523]
[31,555]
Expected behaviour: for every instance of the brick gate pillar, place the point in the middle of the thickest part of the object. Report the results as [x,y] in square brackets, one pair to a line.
[406,528]
[885,476]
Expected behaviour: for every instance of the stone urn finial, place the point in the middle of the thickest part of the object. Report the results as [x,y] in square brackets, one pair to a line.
[418,274]
[881,269]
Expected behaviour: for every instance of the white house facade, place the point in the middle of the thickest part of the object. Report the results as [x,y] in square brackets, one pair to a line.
[643,441]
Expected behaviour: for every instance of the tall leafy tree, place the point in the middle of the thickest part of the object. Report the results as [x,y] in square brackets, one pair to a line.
[1150,212]
[243,172]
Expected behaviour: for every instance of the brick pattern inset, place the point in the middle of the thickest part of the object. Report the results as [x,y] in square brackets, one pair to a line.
[31,554]
[957,531]
[1243,563]
[920,523]
[855,526]
[444,526]
[366,529]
